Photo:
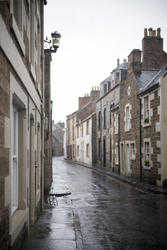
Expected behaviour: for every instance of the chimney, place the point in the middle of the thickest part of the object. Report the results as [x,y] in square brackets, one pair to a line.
[150,31]
[117,62]
[82,101]
[153,55]
[159,32]
[95,94]
[145,32]
[134,61]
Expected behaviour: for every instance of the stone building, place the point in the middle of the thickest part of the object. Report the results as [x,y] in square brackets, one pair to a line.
[80,126]
[58,131]
[86,129]
[153,116]
[138,131]
[131,122]
[71,136]
[21,118]
[48,123]
[107,114]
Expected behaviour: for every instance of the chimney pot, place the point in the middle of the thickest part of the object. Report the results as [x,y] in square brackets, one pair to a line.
[117,62]
[158,32]
[145,32]
[150,31]
[154,33]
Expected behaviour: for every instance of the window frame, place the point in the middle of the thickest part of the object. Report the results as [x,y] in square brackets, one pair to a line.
[15,160]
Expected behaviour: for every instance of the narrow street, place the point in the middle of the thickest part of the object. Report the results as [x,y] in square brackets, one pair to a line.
[101,213]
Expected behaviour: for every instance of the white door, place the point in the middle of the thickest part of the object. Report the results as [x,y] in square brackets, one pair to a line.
[14,165]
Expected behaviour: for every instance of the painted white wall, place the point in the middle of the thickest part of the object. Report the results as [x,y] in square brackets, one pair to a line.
[82,141]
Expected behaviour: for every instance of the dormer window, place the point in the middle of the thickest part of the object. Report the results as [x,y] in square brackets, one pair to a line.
[105,88]
[117,76]
[109,85]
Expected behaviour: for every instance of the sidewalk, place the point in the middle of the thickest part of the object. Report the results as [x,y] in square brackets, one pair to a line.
[141,185]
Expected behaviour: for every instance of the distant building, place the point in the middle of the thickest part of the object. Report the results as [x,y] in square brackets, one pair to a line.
[71,136]
[108,118]
[81,130]
[58,131]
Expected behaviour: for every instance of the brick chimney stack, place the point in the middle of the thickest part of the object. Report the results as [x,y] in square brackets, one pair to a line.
[153,55]
[134,61]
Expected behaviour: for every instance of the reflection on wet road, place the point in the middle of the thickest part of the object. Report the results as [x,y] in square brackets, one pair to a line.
[101,213]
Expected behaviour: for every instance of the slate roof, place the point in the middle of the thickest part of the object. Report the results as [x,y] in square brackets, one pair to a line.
[149,78]
[145,77]
[123,65]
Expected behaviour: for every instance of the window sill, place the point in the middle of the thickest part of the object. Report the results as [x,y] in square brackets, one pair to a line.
[147,167]
[146,124]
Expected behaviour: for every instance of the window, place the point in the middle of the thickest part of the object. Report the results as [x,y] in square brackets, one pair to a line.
[17,12]
[111,107]
[77,150]
[116,123]
[127,118]
[77,131]
[99,120]
[73,132]
[73,150]
[99,149]
[87,127]
[32,31]
[14,167]
[132,151]
[116,153]
[146,109]
[105,88]
[110,148]
[104,125]
[109,85]
[87,150]
[18,151]
[81,130]
[147,154]
[116,77]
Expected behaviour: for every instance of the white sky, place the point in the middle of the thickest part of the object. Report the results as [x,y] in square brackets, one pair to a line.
[94,34]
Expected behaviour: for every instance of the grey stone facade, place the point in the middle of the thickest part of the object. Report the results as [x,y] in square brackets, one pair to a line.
[21,113]
[130,143]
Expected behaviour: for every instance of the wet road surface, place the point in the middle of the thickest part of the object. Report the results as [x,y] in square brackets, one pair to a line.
[101,213]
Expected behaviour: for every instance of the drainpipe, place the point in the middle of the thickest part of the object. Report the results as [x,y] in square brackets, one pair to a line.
[119,160]
[140,139]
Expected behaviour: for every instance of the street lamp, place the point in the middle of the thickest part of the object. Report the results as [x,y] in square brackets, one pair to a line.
[55,42]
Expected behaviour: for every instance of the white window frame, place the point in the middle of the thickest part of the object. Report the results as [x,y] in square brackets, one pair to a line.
[127,118]
[116,123]
[146,110]
[133,151]
[14,161]
[147,154]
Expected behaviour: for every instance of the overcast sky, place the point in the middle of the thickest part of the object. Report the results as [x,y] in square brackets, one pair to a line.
[94,34]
